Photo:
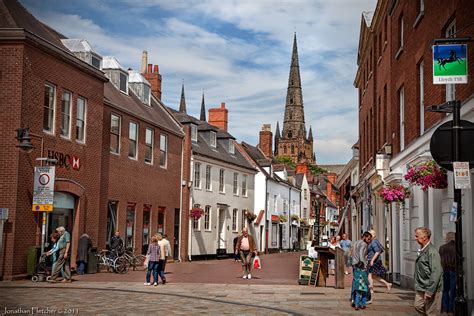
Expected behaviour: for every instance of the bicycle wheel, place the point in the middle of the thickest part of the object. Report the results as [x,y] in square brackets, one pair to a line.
[121,265]
[138,262]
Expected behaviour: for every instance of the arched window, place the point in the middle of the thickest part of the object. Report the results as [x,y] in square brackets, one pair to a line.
[290,134]
[292,149]
[284,149]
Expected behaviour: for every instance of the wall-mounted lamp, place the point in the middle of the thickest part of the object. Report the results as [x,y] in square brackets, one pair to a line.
[388,149]
[23,136]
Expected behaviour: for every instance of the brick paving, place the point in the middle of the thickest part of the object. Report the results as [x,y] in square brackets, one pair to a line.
[206,287]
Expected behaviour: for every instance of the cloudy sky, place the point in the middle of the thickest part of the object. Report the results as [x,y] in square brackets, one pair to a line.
[237,52]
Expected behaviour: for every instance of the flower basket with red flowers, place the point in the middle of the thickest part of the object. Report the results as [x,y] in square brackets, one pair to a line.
[251,216]
[428,175]
[196,212]
[394,193]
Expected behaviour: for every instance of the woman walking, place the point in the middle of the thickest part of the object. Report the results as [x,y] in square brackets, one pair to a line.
[154,254]
[376,269]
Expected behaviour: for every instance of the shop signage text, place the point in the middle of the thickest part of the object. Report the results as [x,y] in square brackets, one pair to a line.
[65,160]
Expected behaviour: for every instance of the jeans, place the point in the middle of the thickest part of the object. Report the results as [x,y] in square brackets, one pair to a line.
[152,267]
[360,298]
[81,267]
[161,272]
[449,291]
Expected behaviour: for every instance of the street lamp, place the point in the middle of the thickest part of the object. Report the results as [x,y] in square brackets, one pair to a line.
[24,137]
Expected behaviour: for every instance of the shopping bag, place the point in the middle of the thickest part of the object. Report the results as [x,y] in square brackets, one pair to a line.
[147,259]
[256,263]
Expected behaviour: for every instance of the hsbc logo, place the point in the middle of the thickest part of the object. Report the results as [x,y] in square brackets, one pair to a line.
[65,160]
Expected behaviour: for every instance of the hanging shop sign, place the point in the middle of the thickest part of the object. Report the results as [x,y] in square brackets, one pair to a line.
[450,64]
[43,195]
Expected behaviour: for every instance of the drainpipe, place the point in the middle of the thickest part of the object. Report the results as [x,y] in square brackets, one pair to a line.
[289,218]
[266,215]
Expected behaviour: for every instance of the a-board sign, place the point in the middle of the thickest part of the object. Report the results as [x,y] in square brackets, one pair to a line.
[306,266]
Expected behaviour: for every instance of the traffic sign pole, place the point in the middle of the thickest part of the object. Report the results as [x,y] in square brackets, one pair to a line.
[460,304]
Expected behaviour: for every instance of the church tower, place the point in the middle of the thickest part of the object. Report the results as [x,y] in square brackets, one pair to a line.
[294,142]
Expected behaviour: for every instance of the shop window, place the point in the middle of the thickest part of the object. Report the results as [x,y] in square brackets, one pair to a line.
[130,224]
[111,219]
[81,120]
[66,115]
[146,226]
[161,220]
[49,106]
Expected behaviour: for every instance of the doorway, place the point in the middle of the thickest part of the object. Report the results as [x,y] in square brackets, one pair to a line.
[221,229]
[176,234]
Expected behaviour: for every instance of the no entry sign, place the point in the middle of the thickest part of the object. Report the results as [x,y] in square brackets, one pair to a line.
[43,195]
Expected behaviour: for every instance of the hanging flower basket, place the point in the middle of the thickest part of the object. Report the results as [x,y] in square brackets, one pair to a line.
[283,218]
[196,213]
[295,217]
[427,175]
[334,223]
[303,222]
[250,215]
[394,193]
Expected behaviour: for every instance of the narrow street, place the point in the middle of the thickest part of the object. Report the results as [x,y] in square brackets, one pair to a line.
[200,287]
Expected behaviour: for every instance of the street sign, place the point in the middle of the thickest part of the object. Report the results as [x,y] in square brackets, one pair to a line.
[43,195]
[462,176]
[450,64]
[3,214]
[441,144]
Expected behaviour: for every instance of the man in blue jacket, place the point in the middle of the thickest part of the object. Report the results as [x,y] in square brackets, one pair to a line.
[428,274]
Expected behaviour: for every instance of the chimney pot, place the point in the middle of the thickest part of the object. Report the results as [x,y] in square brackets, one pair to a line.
[150,67]
[155,69]
[222,105]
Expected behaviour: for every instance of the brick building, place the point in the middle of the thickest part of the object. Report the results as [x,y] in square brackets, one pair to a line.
[395,88]
[56,89]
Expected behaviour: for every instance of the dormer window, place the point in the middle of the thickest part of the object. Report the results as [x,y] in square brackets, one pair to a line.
[231,146]
[95,61]
[194,133]
[213,139]
[140,86]
[123,83]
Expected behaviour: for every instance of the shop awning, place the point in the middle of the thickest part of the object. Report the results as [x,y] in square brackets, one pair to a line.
[259,217]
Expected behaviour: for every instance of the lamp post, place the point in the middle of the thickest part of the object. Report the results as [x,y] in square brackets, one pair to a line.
[24,137]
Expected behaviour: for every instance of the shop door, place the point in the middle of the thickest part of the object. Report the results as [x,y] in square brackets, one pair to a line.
[62,214]
[221,233]
[176,234]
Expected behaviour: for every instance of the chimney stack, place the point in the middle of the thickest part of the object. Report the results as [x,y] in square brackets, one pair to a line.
[265,140]
[219,117]
[144,61]
[152,74]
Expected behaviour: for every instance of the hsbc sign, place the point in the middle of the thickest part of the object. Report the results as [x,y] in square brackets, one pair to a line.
[65,160]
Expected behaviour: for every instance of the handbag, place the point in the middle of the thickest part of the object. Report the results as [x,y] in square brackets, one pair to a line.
[256,263]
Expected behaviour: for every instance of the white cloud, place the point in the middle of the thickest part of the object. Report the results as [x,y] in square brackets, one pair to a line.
[196,41]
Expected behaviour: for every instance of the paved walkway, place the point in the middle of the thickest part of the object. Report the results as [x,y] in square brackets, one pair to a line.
[222,292]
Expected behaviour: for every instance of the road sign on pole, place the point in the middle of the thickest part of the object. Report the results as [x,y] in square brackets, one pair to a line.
[43,195]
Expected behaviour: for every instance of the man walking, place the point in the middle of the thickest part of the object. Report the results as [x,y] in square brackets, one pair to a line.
[64,245]
[166,247]
[246,246]
[346,246]
[428,274]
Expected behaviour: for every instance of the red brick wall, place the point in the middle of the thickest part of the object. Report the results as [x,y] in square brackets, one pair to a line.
[219,117]
[135,182]
[381,74]
[30,69]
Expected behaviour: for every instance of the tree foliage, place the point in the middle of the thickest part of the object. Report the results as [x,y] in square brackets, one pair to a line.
[286,160]
[316,170]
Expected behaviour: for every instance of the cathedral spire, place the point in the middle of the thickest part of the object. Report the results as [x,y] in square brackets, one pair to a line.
[293,124]
[203,109]
[277,138]
[310,135]
[182,102]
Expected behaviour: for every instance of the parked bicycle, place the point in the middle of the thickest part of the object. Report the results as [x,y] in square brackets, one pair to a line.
[111,262]
[136,262]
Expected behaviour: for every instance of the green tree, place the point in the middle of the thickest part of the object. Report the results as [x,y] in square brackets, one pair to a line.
[316,170]
[286,160]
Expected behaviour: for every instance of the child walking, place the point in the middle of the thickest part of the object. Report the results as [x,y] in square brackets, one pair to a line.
[153,253]
[360,287]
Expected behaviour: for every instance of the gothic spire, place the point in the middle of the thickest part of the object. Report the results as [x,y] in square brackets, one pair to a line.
[277,138]
[293,124]
[203,109]
[310,135]
[182,102]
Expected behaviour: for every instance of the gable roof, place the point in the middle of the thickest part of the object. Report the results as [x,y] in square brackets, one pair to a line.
[202,146]
[14,16]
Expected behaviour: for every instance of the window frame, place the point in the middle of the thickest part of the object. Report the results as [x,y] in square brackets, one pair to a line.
[235,187]
[235,220]
[208,177]
[51,108]
[132,209]
[123,75]
[244,185]
[401,103]
[197,175]
[194,132]
[117,152]
[67,115]
[421,95]
[222,180]
[213,139]
[163,152]
[149,146]
[207,217]
[84,121]
[231,146]
[130,140]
